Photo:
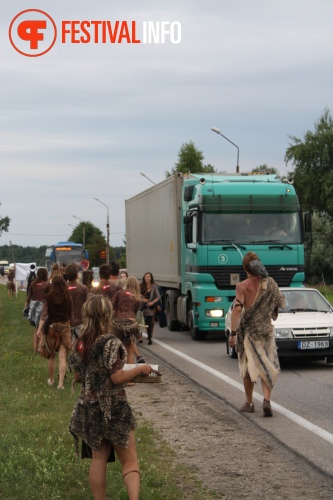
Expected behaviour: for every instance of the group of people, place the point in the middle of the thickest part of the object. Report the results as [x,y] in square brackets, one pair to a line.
[98,327]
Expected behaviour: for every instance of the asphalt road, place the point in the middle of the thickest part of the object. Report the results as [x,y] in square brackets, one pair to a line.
[302,398]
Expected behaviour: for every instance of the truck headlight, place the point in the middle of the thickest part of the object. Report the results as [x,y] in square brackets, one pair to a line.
[283,333]
[214,313]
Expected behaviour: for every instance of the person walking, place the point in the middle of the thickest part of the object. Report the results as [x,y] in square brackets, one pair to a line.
[79,294]
[126,304]
[257,301]
[105,286]
[10,283]
[150,299]
[36,294]
[54,329]
[102,417]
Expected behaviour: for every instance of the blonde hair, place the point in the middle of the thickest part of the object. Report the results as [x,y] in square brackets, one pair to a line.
[96,314]
[133,286]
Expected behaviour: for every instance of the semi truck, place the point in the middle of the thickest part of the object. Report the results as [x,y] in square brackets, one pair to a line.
[192,231]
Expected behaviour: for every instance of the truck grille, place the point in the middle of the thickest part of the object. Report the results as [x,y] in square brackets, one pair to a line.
[311,333]
[283,275]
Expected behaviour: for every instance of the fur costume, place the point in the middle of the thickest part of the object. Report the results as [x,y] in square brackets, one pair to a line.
[255,343]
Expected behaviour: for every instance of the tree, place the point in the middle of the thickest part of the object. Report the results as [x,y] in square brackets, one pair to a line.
[190,160]
[4,224]
[313,166]
[264,170]
[94,241]
[319,251]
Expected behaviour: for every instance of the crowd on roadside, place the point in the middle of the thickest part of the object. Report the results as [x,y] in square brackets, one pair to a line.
[95,331]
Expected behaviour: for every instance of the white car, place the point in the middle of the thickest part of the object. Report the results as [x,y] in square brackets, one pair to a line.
[304,329]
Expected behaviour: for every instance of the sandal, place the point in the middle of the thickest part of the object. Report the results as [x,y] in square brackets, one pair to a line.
[247,408]
[266,406]
[49,382]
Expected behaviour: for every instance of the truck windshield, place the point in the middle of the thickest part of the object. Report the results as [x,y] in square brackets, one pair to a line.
[69,255]
[250,227]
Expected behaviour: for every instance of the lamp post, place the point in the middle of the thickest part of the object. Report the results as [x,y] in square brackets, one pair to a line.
[83,232]
[144,175]
[217,131]
[107,231]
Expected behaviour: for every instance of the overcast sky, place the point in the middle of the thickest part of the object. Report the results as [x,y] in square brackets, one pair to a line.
[83,120]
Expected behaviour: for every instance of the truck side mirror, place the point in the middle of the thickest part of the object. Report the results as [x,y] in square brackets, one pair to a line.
[308,222]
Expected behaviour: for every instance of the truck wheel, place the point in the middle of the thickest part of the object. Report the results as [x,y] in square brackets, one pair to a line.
[173,324]
[231,350]
[196,334]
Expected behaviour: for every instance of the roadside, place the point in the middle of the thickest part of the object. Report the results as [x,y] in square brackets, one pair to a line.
[226,451]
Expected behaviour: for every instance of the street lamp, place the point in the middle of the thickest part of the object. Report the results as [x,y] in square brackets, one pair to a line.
[217,131]
[107,231]
[83,232]
[144,175]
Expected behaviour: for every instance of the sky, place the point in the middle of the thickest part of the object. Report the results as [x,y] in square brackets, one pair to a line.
[84,119]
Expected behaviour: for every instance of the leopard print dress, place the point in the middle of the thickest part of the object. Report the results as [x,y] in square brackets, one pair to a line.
[102,410]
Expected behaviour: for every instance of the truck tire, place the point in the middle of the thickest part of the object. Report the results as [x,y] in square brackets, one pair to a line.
[196,334]
[172,322]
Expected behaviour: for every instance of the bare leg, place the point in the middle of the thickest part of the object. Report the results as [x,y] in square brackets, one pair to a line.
[130,467]
[130,354]
[51,364]
[248,386]
[266,391]
[97,471]
[36,341]
[62,365]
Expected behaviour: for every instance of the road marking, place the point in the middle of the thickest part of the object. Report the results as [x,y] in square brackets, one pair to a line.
[287,413]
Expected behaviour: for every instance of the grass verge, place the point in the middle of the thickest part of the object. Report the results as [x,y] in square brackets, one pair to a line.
[37,459]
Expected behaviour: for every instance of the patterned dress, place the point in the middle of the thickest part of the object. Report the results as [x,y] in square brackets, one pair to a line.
[255,342]
[102,410]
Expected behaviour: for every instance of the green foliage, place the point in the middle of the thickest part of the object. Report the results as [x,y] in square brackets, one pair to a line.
[312,159]
[37,455]
[319,251]
[190,160]
[4,224]
[16,253]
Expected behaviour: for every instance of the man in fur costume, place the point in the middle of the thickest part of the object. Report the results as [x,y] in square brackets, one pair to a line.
[257,301]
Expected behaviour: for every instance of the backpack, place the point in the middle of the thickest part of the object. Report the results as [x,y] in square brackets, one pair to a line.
[32,276]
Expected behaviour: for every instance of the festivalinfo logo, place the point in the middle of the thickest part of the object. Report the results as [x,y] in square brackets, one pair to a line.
[33,32]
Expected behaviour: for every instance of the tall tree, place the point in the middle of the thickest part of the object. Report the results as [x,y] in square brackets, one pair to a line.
[312,159]
[190,160]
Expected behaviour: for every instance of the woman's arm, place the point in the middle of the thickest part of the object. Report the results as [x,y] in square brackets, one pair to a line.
[123,376]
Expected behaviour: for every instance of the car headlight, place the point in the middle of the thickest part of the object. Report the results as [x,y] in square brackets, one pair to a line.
[283,333]
[214,313]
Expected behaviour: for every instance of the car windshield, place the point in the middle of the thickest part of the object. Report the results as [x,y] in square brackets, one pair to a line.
[304,301]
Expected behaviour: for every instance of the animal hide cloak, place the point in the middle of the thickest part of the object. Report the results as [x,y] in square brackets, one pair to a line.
[255,343]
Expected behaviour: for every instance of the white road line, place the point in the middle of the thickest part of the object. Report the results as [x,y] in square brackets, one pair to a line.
[287,413]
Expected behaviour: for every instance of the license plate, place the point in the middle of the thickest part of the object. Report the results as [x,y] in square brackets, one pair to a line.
[314,344]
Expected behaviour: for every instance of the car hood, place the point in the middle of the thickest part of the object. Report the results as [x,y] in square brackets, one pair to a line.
[303,319]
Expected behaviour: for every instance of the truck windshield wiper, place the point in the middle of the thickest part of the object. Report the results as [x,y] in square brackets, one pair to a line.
[274,242]
[230,242]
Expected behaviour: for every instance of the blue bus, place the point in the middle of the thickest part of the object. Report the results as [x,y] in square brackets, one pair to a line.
[65,252]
